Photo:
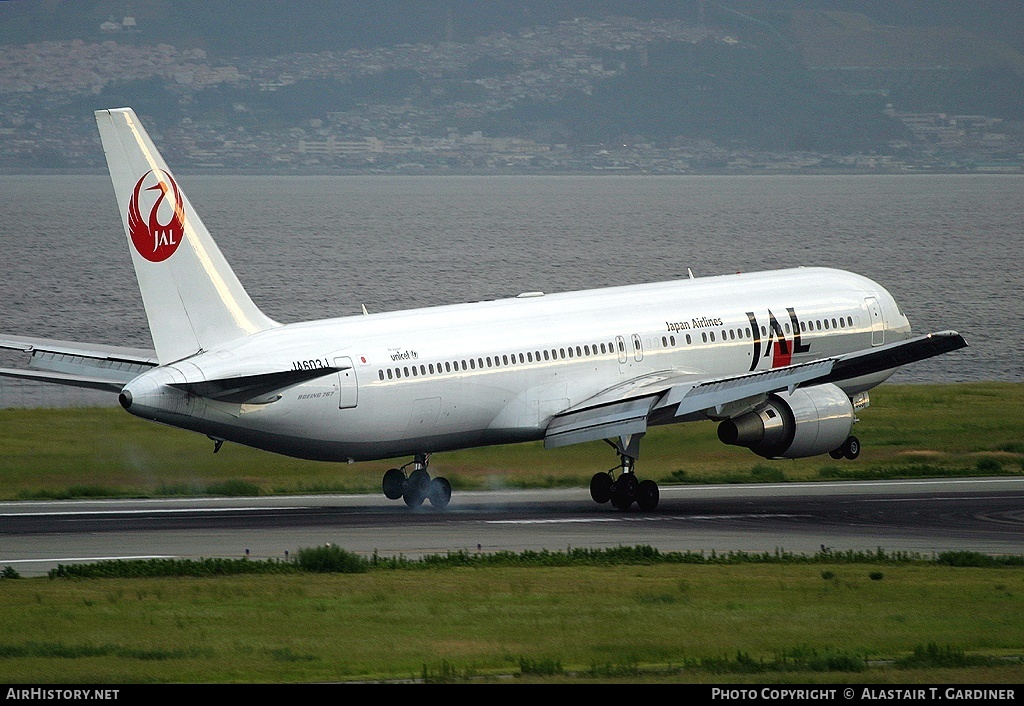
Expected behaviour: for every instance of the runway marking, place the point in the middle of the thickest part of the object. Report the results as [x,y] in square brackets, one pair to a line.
[148,511]
[915,500]
[566,521]
[843,484]
[87,558]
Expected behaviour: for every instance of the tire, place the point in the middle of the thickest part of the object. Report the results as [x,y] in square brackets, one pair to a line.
[393,483]
[624,491]
[417,488]
[851,449]
[440,493]
[601,487]
[647,495]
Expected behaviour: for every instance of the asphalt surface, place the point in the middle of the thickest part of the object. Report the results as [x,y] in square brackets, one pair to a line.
[925,516]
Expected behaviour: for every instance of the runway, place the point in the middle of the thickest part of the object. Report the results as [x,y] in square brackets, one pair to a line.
[925,516]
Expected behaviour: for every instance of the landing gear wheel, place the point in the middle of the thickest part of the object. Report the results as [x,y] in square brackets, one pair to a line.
[851,448]
[440,493]
[624,491]
[601,487]
[647,495]
[392,484]
[837,454]
[417,487]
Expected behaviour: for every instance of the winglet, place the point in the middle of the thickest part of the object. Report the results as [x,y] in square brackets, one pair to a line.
[192,297]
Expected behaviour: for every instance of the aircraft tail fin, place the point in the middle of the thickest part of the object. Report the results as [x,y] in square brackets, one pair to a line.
[192,297]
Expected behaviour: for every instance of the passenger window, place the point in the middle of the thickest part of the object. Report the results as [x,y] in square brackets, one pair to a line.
[704,336]
[688,340]
[672,340]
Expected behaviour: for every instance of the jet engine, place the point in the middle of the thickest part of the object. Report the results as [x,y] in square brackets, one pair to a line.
[808,422]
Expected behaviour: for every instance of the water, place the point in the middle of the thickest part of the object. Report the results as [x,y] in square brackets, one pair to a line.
[947,247]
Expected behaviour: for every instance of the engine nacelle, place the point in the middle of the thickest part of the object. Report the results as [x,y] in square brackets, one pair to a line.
[809,422]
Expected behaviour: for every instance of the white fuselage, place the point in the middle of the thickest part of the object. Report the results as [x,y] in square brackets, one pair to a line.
[451,377]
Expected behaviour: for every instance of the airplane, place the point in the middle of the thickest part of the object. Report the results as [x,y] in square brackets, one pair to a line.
[782,360]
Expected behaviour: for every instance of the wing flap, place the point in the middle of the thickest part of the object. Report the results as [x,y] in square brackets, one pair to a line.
[608,421]
[716,394]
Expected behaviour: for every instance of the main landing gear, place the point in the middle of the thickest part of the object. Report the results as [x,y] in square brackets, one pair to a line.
[418,485]
[849,450]
[626,489]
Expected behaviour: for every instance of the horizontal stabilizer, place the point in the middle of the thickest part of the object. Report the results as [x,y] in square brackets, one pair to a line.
[93,383]
[251,388]
[89,365]
[99,351]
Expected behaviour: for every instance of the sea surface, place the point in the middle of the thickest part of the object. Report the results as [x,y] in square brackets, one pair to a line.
[949,248]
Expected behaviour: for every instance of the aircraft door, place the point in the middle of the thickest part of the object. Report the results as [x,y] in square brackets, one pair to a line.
[877,322]
[348,388]
[620,346]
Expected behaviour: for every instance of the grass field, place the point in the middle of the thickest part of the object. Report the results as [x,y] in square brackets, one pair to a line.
[909,430]
[906,623]
[627,623]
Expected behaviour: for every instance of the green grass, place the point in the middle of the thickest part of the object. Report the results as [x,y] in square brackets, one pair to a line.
[630,622]
[909,431]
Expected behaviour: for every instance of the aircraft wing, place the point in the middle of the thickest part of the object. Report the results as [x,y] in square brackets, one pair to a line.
[252,388]
[95,366]
[626,409]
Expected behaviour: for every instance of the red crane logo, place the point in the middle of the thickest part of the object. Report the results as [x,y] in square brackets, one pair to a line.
[156,239]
